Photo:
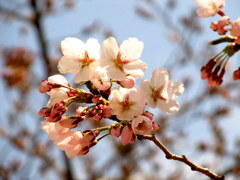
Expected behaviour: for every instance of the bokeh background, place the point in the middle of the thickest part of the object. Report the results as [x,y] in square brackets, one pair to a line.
[206,129]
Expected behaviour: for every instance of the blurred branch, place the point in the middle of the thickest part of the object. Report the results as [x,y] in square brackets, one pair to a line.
[182,158]
[41,36]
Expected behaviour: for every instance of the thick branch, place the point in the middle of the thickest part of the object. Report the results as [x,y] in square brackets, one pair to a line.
[182,158]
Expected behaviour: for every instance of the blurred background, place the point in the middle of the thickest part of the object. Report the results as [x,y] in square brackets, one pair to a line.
[206,129]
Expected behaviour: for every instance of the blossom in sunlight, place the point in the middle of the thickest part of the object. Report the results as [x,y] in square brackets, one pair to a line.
[235,30]
[54,129]
[124,60]
[74,143]
[142,125]
[219,25]
[79,58]
[57,94]
[209,7]
[160,91]
[127,103]
[70,143]
[100,79]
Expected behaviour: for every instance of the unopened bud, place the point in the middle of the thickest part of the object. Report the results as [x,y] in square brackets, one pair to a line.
[129,82]
[44,112]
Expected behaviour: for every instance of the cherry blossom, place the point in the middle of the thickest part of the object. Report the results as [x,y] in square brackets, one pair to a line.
[160,91]
[124,104]
[235,31]
[79,58]
[57,94]
[70,143]
[54,129]
[141,125]
[124,60]
[209,7]
[127,103]
[219,25]
[100,79]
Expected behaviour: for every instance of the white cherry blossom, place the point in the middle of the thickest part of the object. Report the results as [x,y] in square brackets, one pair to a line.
[79,58]
[100,79]
[209,7]
[57,94]
[124,60]
[127,103]
[160,91]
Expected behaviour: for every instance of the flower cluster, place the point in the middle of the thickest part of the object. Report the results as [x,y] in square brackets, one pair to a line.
[214,70]
[109,75]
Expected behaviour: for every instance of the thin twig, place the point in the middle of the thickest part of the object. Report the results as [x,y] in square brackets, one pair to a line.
[182,158]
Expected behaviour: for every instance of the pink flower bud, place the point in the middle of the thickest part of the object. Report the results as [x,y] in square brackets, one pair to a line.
[44,112]
[71,122]
[155,126]
[97,117]
[57,111]
[116,131]
[129,82]
[106,111]
[97,99]
[127,135]
[45,86]
[149,115]
[141,125]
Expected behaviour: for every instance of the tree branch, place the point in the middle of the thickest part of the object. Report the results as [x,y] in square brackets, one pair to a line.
[182,158]
[41,36]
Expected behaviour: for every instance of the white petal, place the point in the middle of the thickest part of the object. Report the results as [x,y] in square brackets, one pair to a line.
[159,77]
[115,73]
[59,79]
[110,47]
[71,153]
[168,106]
[56,95]
[205,13]
[131,48]
[73,47]
[68,64]
[93,48]
[135,68]
[147,90]
[175,89]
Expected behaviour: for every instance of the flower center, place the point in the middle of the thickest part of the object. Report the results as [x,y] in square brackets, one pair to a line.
[127,104]
[142,126]
[119,61]
[157,93]
[86,60]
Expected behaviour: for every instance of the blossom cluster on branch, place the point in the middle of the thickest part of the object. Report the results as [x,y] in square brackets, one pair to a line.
[109,74]
[215,69]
